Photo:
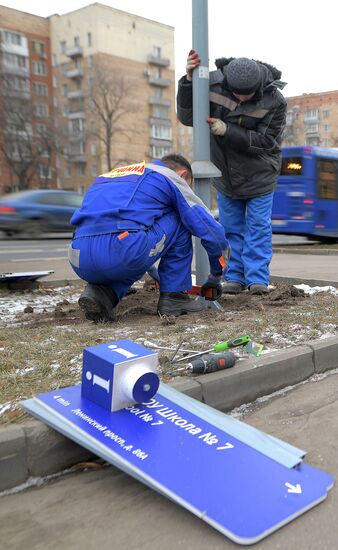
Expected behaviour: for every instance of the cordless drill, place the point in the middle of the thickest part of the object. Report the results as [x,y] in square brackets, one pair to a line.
[210,363]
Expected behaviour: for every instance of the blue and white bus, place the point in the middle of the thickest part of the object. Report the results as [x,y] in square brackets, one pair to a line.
[306,196]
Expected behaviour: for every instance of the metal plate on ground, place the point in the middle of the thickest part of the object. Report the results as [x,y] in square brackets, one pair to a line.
[23,276]
[235,488]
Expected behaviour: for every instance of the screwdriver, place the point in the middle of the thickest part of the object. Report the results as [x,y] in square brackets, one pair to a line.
[222,346]
[210,363]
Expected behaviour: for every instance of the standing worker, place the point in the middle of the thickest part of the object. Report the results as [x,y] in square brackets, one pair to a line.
[247,118]
[134,216]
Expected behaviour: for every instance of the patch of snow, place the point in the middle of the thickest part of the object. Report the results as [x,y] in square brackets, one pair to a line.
[21,372]
[314,289]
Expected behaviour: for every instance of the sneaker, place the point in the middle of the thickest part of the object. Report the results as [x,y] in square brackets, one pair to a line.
[233,288]
[258,290]
[98,303]
[179,303]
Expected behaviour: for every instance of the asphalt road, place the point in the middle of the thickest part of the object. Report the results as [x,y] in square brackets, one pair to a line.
[51,255]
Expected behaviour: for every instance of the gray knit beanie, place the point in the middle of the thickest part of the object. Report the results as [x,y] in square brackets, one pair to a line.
[243,76]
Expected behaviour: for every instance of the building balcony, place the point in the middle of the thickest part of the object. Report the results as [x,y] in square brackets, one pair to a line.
[161,121]
[160,82]
[7,68]
[74,137]
[78,157]
[24,95]
[75,51]
[313,132]
[159,101]
[76,114]
[160,142]
[74,73]
[76,94]
[159,61]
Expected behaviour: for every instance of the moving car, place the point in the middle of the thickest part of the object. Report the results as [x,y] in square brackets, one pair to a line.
[34,213]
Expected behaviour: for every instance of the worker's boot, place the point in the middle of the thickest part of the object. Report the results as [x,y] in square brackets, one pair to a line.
[98,303]
[179,303]
[232,287]
[258,290]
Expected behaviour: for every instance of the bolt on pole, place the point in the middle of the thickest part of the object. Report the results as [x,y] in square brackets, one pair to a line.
[203,168]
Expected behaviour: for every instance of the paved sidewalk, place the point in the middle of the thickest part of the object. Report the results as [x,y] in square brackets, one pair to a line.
[313,267]
[107,509]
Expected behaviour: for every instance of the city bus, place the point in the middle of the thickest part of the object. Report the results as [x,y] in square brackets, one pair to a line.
[306,195]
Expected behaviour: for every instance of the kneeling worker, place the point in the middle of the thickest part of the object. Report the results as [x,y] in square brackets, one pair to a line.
[134,216]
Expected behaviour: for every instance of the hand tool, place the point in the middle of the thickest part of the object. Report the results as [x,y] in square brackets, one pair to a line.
[222,346]
[196,291]
[210,363]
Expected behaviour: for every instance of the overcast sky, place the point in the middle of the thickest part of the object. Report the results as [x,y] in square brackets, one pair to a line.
[296,36]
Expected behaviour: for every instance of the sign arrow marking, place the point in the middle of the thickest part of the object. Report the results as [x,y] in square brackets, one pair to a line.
[293,488]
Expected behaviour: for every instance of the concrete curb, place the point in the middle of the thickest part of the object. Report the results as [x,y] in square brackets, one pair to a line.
[312,252]
[33,449]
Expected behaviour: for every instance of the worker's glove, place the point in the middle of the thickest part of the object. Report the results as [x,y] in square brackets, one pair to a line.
[212,288]
[217,126]
[193,61]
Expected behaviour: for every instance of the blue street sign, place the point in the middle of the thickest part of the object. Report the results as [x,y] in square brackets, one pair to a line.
[116,374]
[238,490]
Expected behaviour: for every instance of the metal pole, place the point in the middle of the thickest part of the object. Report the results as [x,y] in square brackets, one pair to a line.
[203,168]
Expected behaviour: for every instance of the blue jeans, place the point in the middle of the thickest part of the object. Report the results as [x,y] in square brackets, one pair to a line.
[247,224]
[120,262]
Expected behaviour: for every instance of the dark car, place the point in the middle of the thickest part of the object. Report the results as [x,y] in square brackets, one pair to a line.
[34,213]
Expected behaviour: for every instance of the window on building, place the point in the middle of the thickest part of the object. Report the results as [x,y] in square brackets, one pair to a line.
[39,68]
[45,171]
[93,149]
[326,142]
[156,51]
[94,170]
[40,89]
[63,46]
[41,129]
[55,82]
[12,38]
[89,39]
[311,115]
[65,110]
[15,60]
[64,89]
[157,72]
[39,48]
[160,132]
[68,171]
[160,112]
[90,60]
[158,92]
[53,60]
[76,41]
[78,63]
[92,126]
[41,110]
[326,127]
[159,151]
[326,114]
[55,101]
[82,170]
[77,125]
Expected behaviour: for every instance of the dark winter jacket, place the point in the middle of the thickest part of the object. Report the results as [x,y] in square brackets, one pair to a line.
[248,155]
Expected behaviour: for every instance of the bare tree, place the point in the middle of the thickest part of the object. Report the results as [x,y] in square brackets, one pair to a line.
[26,142]
[111,97]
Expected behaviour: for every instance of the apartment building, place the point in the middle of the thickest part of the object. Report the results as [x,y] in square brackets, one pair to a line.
[112,89]
[312,119]
[26,101]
